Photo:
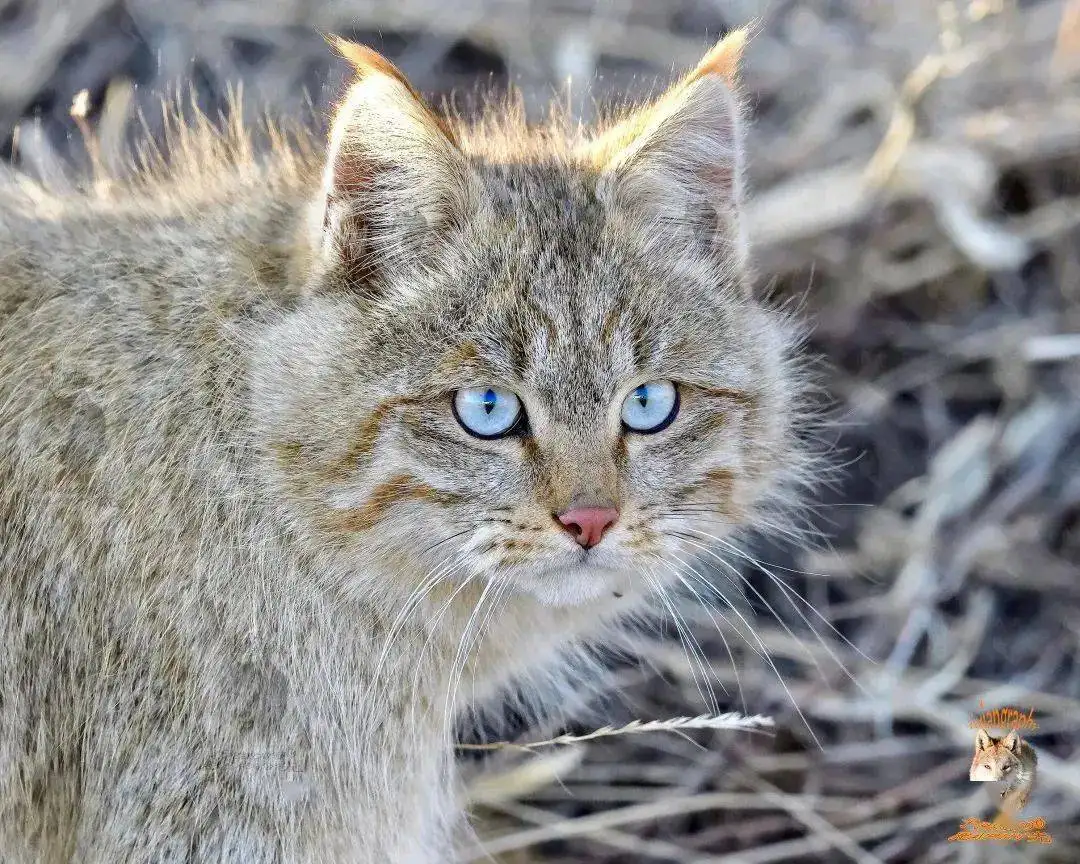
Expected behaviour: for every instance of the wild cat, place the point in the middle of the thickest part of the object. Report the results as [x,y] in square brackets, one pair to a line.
[304,454]
[1008,758]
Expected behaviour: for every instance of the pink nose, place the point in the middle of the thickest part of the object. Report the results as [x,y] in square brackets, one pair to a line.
[588,524]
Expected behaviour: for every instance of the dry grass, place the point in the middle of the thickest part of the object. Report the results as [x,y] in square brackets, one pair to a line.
[918,176]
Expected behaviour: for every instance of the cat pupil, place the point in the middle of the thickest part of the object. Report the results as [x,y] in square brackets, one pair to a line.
[489,401]
[642,395]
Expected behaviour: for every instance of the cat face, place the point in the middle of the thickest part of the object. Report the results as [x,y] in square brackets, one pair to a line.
[546,373]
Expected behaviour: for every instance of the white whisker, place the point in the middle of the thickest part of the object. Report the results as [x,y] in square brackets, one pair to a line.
[791,697]
[716,624]
[691,647]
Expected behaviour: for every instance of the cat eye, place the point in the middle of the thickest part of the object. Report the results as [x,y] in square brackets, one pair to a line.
[487,412]
[651,407]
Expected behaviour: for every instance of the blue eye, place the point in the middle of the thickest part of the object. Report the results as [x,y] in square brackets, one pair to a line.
[487,412]
[651,407]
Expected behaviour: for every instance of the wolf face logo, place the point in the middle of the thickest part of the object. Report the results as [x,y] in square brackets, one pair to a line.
[1008,759]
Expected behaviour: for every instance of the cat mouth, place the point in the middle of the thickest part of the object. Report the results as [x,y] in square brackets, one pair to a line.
[599,557]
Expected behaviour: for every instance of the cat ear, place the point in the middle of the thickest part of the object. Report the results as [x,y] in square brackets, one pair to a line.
[1012,741]
[681,158]
[395,179]
[983,740]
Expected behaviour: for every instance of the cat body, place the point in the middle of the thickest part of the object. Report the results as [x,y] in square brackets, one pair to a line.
[1009,759]
[254,561]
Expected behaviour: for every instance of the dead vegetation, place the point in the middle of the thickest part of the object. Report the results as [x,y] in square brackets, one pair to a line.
[917,168]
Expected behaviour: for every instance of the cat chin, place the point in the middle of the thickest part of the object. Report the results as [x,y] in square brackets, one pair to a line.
[580,585]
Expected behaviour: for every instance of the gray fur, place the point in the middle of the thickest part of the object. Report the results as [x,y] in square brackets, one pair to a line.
[250,565]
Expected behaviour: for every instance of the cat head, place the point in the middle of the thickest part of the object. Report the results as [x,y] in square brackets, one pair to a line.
[530,357]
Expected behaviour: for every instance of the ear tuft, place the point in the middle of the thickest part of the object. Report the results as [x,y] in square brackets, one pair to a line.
[983,740]
[724,58]
[367,61]
[1012,741]
[364,59]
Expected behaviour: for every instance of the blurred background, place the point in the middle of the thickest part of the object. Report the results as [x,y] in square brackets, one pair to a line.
[916,176]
